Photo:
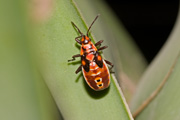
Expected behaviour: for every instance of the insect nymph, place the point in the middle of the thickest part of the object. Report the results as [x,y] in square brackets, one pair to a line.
[93,66]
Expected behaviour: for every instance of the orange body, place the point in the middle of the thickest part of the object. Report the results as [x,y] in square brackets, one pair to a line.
[94,68]
[96,76]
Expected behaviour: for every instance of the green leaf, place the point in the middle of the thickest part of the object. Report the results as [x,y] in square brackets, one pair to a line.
[165,106]
[55,45]
[20,85]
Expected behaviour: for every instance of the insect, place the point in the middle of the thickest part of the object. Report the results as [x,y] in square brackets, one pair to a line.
[93,66]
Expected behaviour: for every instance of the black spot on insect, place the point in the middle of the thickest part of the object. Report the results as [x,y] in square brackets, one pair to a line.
[100,85]
[86,65]
[98,62]
[98,80]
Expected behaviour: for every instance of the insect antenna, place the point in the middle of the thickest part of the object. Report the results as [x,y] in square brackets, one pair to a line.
[92,24]
[77,29]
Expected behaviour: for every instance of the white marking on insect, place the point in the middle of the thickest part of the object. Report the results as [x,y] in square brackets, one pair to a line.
[93,64]
[95,68]
[99,80]
[96,73]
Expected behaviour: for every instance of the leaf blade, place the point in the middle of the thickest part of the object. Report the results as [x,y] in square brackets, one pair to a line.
[155,74]
[55,47]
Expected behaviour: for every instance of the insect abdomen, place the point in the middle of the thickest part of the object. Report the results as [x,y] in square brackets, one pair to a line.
[97,78]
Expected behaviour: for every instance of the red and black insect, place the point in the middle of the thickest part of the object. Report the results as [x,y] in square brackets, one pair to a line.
[93,66]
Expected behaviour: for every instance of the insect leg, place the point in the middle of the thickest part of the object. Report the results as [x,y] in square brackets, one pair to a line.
[101,48]
[109,63]
[77,40]
[99,42]
[74,56]
[79,69]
